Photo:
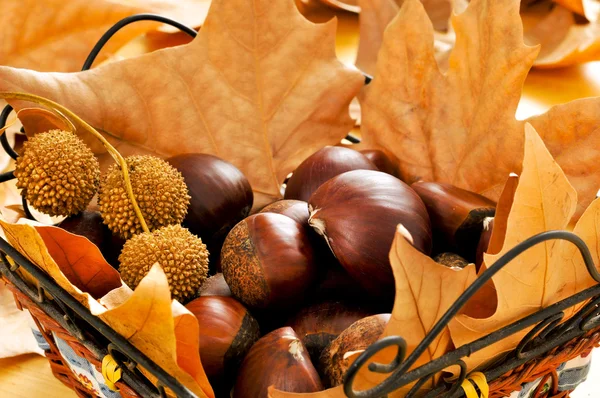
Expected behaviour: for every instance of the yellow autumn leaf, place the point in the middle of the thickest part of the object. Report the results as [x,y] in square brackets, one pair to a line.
[153,323]
[564,41]
[546,273]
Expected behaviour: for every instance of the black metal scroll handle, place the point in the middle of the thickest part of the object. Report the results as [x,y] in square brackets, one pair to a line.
[399,367]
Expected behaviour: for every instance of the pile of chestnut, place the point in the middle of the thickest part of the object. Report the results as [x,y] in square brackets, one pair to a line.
[311,273]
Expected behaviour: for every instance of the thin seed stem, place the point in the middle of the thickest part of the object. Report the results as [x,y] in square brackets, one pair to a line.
[62,111]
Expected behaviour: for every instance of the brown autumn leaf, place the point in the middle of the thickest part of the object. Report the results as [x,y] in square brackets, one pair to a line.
[564,41]
[460,127]
[376,15]
[80,261]
[415,311]
[544,274]
[48,35]
[260,86]
[152,322]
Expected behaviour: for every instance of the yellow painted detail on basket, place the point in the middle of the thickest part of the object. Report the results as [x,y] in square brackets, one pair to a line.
[480,381]
[111,372]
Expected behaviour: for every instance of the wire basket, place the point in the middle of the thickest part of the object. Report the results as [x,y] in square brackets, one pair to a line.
[538,357]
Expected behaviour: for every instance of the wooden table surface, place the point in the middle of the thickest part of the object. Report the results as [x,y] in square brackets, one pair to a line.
[29,376]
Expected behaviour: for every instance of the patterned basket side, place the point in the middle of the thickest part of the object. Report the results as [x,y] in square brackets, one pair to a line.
[52,332]
[545,369]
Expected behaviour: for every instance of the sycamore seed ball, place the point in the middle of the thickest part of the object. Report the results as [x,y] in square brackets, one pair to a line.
[182,256]
[158,187]
[58,173]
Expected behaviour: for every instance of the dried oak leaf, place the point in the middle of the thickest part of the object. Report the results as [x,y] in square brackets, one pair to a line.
[260,86]
[564,42]
[376,15]
[460,127]
[415,311]
[49,35]
[544,274]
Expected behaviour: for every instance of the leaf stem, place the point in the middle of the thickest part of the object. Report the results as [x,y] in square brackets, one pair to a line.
[61,112]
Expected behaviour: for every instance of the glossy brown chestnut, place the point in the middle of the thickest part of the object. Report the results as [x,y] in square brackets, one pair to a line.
[334,362]
[357,212]
[268,262]
[324,164]
[278,359]
[215,286]
[456,216]
[319,324]
[221,196]
[227,331]
[451,260]
[380,160]
[90,224]
[297,210]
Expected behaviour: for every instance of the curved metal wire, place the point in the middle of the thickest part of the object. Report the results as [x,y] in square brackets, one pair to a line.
[3,139]
[127,21]
[394,381]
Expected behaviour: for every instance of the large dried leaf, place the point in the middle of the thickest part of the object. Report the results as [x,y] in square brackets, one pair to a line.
[460,127]
[50,35]
[260,86]
[153,323]
[544,274]
[563,41]
[415,311]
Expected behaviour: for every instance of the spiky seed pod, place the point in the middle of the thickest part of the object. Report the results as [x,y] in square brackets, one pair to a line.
[182,256]
[158,187]
[58,173]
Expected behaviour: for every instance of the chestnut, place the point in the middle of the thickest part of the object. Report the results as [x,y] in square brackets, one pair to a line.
[451,260]
[278,359]
[90,225]
[337,284]
[297,210]
[215,286]
[322,165]
[319,324]
[268,262]
[227,331]
[456,216]
[334,361]
[221,196]
[381,161]
[357,212]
